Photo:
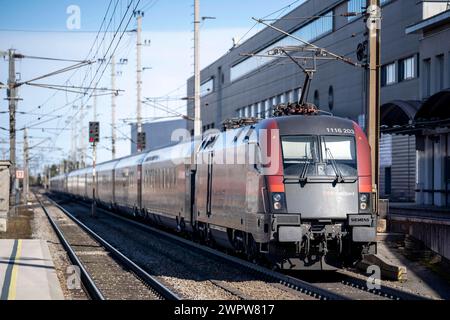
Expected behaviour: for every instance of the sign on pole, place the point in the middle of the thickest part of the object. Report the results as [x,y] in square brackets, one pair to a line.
[20,174]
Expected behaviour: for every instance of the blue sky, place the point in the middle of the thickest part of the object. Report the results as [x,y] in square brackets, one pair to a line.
[163,15]
[40,30]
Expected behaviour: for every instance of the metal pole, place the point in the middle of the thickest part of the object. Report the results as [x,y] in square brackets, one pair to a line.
[139,74]
[113,108]
[197,114]
[373,24]
[94,180]
[26,179]
[12,97]
[95,106]
[74,143]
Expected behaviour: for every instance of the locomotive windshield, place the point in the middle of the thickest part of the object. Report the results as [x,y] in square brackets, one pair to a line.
[303,158]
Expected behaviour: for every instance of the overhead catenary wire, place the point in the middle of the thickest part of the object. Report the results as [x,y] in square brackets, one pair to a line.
[56,135]
[123,32]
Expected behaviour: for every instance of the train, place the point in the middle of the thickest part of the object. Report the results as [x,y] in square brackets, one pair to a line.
[293,191]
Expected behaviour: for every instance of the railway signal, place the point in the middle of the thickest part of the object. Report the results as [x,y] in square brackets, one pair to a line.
[361,52]
[141,141]
[94,138]
[94,132]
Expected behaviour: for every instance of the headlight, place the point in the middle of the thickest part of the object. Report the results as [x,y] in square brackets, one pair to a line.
[277,205]
[364,200]
[276,197]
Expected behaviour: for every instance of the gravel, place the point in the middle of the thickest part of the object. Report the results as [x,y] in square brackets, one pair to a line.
[190,274]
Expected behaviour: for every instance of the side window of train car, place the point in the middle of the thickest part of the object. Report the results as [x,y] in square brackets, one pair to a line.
[164,178]
[132,179]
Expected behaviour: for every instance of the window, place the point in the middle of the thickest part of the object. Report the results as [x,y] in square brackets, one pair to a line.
[253,110]
[268,108]
[298,94]
[316,99]
[207,87]
[357,6]
[290,96]
[426,82]
[301,156]
[330,98]
[299,151]
[407,69]
[309,32]
[388,74]
[259,112]
[340,150]
[439,72]
[362,121]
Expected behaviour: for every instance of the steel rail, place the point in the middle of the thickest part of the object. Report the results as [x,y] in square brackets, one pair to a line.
[384,291]
[152,282]
[86,279]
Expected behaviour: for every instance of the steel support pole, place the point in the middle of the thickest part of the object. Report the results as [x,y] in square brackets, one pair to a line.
[94,179]
[374,26]
[197,109]
[26,178]
[12,97]
[113,108]
[139,75]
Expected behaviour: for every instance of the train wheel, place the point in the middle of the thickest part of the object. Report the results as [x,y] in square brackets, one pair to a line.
[251,250]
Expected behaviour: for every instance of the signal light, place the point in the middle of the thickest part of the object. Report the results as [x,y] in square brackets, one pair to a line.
[94,132]
[141,141]
[362,52]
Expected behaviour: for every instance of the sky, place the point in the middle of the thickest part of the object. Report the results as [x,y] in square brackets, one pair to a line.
[39,28]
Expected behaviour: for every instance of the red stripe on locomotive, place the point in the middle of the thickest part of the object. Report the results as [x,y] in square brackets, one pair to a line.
[364,162]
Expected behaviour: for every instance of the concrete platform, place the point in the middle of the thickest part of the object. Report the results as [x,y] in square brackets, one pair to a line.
[27,271]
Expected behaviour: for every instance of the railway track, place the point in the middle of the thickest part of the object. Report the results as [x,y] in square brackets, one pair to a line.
[105,273]
[343,286]
[355,286]
[239,279]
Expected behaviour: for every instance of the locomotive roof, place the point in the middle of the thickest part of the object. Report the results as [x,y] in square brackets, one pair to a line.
[300,124]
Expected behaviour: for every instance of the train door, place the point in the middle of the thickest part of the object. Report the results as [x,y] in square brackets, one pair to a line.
[139,189]
[189,198]
[113,183]
[209,184]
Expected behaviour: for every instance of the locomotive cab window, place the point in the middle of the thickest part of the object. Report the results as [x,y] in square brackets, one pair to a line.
[298,152]
[339,155]
[302,156]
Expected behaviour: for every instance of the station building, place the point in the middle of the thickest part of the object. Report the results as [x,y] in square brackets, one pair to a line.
[415,65]
[158,134]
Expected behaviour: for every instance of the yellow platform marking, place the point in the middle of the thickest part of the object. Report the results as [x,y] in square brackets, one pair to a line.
[15,270]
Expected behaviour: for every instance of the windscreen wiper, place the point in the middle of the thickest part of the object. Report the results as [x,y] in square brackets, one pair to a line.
[302,177]
[339,176]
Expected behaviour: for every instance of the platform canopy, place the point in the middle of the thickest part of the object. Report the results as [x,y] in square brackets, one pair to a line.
[398,112]
[436,107]
[412,117]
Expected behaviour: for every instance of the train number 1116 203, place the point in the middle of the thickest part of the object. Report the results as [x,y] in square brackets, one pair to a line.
[341,130]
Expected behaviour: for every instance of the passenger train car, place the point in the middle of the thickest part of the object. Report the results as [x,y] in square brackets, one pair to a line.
[292,190]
